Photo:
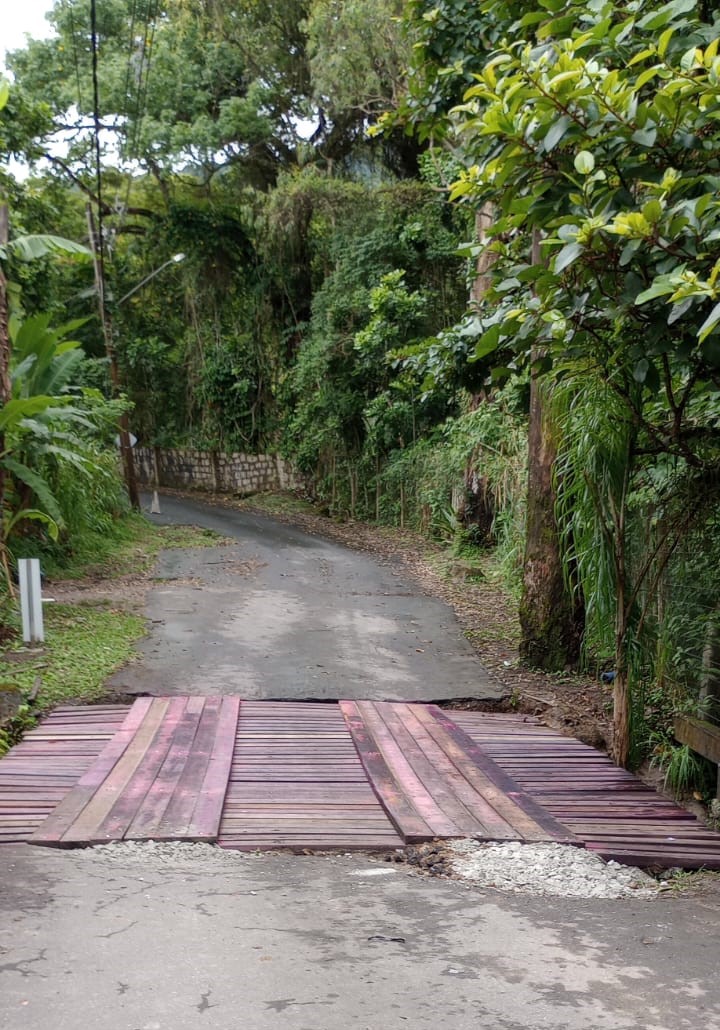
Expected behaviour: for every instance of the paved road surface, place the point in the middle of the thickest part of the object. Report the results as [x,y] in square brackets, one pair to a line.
[238,942]
[283,614]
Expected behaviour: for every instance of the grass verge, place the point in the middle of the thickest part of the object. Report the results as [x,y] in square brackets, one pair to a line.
[84,644]
[133,546]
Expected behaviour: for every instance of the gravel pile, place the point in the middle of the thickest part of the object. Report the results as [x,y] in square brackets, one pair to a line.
[157,854]
[550,870]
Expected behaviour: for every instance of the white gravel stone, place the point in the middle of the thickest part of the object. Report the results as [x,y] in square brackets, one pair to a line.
[550,870]
[160,853]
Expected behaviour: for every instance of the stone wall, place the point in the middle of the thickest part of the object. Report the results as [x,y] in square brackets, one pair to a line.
[214,472]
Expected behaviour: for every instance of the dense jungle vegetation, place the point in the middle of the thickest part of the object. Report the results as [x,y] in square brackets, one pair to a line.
[458,260]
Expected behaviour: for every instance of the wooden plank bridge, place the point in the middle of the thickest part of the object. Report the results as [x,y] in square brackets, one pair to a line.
[259,775]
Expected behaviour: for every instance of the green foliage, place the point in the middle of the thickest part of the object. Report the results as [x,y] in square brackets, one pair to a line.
[589,129]
[686,773]
[60,477]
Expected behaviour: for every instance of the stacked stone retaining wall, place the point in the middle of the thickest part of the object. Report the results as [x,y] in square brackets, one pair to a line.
[214,472]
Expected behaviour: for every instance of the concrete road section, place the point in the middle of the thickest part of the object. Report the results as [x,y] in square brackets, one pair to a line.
[283,614]
[222,941]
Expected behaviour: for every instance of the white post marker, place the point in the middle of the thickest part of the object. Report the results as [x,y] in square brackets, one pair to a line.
[31,601]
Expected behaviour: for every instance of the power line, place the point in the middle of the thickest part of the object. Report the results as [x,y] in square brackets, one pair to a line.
[73,36]
[144,70]
[98,163]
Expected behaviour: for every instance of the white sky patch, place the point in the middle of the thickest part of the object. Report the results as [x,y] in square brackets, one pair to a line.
[22,19]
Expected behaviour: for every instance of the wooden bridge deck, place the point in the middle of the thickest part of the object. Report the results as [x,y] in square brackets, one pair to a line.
[315,777]
[609,809]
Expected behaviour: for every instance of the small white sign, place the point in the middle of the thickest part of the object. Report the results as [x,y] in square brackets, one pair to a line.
[133,440]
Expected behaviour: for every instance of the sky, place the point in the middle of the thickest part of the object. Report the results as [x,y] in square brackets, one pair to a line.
[20,17]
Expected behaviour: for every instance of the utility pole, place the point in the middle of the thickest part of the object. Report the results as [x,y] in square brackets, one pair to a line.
[126,453]
[5,385]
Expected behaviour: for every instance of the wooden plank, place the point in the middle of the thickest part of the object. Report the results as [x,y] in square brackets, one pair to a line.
[485,822]
[530,818]
[175,822]
[458,820]
[160,793]
[205,821]
[402,809]
[85,827]
[130,801]
[54,827]
[501,816]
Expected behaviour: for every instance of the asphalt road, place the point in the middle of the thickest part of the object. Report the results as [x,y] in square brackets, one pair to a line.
[282,614]
[236,942]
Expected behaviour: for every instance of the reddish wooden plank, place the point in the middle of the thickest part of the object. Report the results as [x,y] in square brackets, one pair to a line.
[472,814]
[130,801]
[501,815]
[205,821]
[176,819]
[402,810]
[84,828]
[544,823]
[160,793]
[65,814]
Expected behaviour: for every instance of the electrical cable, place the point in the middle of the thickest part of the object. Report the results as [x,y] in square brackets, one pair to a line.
[76,62]
[98,163]
[147,55]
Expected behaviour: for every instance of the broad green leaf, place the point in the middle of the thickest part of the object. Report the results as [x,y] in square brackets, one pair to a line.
[641,370]
[487,343]
[645,137]
[584,162]
[32,514]
[39,486]
[556,133]
[664,40]
[652,211]
[660,288]
[646,76]
[4,92]
[30,248]
[18,409]
[570,253]
[709,324]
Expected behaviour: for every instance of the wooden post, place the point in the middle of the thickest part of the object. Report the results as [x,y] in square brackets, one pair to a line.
[126,453]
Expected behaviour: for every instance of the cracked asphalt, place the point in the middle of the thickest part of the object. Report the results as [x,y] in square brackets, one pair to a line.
[196,938]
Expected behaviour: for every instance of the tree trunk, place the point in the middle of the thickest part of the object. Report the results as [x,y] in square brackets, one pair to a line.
[550,620]
[486,259]
[551,623]
[621,719]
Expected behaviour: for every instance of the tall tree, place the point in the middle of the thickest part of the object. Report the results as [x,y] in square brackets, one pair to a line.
[601,136]
[453,42]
